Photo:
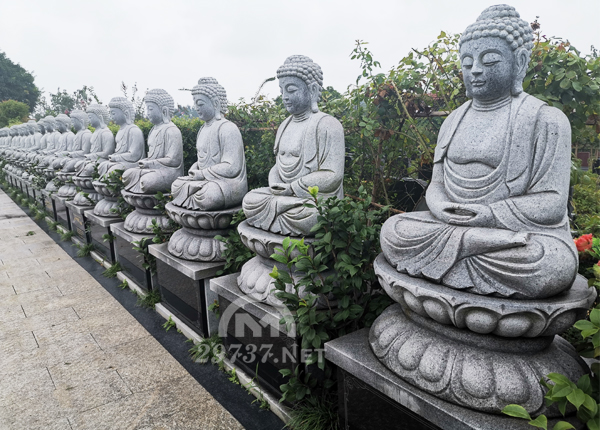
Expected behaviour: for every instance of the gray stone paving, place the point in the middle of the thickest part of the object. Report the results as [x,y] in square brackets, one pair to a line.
[72,358]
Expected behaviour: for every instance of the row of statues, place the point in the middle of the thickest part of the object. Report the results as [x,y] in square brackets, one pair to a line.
[496,234]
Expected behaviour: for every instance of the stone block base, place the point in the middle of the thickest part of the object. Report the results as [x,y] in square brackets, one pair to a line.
[99,227]
[131,260]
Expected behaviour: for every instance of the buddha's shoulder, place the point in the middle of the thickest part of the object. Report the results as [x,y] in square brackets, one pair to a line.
[552,115]
[329,122]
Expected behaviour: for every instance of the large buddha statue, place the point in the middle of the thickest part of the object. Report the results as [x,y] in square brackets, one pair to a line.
[102,145]
[487,278]
[498,196]
[309,150]
[157,172]
[205,201]
[129,150]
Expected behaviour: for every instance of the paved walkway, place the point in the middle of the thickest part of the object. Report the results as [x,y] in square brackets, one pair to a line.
[72,358]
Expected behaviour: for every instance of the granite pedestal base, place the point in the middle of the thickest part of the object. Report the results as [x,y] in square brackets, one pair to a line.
[253,336]
[68,189]
[79,222]
[88,195]
[99,228]
[109,200]
[49,204]
[185,291]
[62,211]
[372,397]
[131,261]
[140,220]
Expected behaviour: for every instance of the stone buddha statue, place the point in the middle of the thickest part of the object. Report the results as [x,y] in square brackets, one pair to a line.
[130,147]
[52,137]
[165,154]
[157,172]
[487,278]
[102,144]
[310,151]
[102,141]
[129,150]
[498,196]
[205,201]
[65,141]
[82,141]
[218,179]
[309,148]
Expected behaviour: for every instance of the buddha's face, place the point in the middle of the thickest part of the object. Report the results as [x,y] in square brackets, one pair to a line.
[77,124]
[41,128]
[49,127]
[94,119]
[295,94]
[154,113]
[205,107]
[489,67]
[61,126]
[118,116]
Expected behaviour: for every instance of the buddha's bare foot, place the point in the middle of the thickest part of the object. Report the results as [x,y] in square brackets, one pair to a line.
[477,241]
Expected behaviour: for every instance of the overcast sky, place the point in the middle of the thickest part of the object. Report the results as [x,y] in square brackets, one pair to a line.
[170,44]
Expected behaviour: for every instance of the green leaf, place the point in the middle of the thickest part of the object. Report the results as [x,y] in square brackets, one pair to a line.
[595,317]
[577,86]
[562,425]
[577,397]
[540,422]
[594,423]
[517,411]
[565,84]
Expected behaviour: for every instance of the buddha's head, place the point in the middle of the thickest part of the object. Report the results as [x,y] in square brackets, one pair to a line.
[50,124]
[301,83]
[98,115]
[79,119]
[495,52]
[13,131]
[63,123]
[210,99]
[160,106]
[121,111]
[32,126]
[41,126]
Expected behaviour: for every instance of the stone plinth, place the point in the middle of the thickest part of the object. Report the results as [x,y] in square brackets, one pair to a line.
[140,220]
[252,333]
[88,195]
[108,201]
[477,351]
[184,288]
[195,241]
[99,228]
[49,204]
[79,222]
[131,260]
[371,396]
[62,211]
[255,279]
[69,189]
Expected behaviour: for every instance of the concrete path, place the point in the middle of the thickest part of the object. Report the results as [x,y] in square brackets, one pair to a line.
[72,358]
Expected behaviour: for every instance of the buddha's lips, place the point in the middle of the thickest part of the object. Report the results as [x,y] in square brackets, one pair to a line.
[478,83]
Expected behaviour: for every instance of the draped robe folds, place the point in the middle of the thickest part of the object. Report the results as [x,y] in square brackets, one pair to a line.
[527,193]
[102,145]
[164,162]
[223,164]
[81,146]
[320,162]
[51,147]
[129,150]
[65,145]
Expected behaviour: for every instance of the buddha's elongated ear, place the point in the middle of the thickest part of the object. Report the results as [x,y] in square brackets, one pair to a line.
[314,96]
[217,106]
[520,70]
[165,114]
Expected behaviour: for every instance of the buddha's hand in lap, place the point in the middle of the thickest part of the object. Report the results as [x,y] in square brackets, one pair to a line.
[143,164]
[197,175]
[468,215]
[281,189]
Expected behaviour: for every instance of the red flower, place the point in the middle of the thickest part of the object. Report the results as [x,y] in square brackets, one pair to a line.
[584,242]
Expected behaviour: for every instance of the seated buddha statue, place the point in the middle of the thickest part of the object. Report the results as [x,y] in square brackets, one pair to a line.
[51,142]
[164,163]
[81,142]
[65,141]
[218,179]
[130,146]
[498,221]
[102,141]
[309,150]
